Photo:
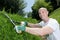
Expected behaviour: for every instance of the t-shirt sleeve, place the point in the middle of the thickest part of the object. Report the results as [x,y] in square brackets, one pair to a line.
[40,23]
[53,24]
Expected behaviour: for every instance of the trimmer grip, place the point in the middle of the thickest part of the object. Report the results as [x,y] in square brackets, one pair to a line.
[18,31]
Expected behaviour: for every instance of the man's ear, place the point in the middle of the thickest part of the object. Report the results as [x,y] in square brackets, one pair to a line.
[47,12]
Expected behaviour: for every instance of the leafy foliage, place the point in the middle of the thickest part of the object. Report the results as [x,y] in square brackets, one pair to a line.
[12,5]
[56,14]
[54,3]
[7,31]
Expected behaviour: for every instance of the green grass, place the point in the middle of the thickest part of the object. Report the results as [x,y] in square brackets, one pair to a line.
[7,31]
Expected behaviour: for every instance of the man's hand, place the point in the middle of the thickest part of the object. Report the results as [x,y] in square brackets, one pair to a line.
[24,23]
[19,28]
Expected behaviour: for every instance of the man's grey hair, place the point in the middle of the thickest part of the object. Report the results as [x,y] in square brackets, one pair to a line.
[43,8]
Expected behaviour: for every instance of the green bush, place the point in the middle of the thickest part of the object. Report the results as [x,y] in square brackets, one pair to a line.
[7,31]
[56,14]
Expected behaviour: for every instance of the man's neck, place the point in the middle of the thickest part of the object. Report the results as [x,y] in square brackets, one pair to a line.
[46,20]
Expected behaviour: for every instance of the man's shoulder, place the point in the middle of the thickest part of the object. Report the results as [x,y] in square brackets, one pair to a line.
[53,20]
[42,22]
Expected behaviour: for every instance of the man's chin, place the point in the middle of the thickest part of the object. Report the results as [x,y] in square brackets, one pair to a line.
[42,18]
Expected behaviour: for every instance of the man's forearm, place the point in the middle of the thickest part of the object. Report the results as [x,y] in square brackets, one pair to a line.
[34,25]
[34,31]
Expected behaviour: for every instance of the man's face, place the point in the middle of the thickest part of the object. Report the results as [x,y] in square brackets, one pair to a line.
[43,13]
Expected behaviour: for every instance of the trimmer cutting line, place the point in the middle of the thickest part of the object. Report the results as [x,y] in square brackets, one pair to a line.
[12,21]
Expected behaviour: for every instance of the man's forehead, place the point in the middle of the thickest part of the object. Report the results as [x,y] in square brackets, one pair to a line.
[42,9]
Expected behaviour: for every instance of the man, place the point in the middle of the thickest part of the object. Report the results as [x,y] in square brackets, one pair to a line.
[48,26]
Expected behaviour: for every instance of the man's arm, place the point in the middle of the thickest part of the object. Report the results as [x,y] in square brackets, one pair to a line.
[39,31]
[34,25]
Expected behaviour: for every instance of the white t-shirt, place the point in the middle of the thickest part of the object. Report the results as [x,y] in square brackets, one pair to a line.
[55,35]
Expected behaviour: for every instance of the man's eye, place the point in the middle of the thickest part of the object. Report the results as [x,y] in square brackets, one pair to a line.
[42,11]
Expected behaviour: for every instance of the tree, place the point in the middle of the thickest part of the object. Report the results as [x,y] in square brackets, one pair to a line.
[58,2]
[12,5]
[29,14]
[54,3]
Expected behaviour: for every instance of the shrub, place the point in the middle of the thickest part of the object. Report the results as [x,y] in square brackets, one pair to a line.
[56,15]
[7,31]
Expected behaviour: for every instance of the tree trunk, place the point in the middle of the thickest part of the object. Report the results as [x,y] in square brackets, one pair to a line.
[58,2]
